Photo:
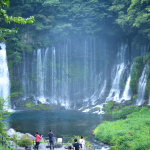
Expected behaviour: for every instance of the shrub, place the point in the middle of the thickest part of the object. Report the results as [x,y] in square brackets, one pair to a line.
[4,148]
[135,73]
[25,140]
[109,107]
[30,105]
[125,111]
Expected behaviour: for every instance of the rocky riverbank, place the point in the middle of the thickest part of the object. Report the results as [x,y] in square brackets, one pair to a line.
[15,137]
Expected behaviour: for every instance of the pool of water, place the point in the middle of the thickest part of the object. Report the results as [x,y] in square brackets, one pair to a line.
[62,122]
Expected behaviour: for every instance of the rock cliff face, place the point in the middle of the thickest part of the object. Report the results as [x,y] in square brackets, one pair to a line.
[78,72]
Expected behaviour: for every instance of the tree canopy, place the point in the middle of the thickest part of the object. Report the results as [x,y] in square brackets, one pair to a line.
[4,17]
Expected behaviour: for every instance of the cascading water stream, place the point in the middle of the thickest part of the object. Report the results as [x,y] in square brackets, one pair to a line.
[85,70]
[115,90]
[45,71]
[70,75]
[4,76]
[40,77]
[114,93]
[24,76]
[65,79]
[141,87]
[101,94]
[127,93]
[127,90]
[54,82]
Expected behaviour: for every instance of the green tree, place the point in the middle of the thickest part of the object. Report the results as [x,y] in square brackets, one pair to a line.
[3,115]
[139,16]
[4,17]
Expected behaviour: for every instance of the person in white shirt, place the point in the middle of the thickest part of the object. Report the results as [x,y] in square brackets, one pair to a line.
[82,141]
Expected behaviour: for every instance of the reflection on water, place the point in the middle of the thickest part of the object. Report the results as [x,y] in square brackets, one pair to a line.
[62,122]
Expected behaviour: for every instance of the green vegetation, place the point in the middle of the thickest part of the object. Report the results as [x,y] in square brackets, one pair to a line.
[131,133]
[110,107]
[39,107]
[24,141]
[65,19]
[4,148]
[124,112]
[136,73]
[3,115]
[8,19]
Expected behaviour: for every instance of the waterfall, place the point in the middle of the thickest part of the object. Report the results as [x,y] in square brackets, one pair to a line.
[127,93]
[141,87]
[45,71]
[115,90]
[99,94]
[114,93]
[102,92]
[54,81]
[65,78]
[40,77]
[85,70]
[24,76]
[4,76]
[76,73]
[149,100]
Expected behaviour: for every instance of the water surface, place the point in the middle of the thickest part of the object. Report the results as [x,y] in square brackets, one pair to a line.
[62,122]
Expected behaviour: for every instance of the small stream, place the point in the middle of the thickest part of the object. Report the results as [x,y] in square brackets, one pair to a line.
[63,123]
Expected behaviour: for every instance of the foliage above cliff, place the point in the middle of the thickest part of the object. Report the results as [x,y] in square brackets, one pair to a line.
[92,17]
[4,17]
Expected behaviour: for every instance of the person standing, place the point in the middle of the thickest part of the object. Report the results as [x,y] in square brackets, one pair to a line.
[82,142]
[76,145]
[37,140]
[51,138]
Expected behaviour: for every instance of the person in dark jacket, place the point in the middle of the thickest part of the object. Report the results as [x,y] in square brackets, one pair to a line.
[51,138]
[76,145]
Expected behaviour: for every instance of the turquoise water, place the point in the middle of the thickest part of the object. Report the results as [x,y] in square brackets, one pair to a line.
[62,122]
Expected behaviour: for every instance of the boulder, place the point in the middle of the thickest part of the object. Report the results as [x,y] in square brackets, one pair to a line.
[11,132]
[58,145]
[31,136]
[66,146]
[19,135]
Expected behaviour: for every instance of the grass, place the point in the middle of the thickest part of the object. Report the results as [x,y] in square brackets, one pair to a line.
[132,133]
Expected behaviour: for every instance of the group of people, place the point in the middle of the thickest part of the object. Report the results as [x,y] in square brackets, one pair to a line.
[80,145]
[76,145]
[51,139]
